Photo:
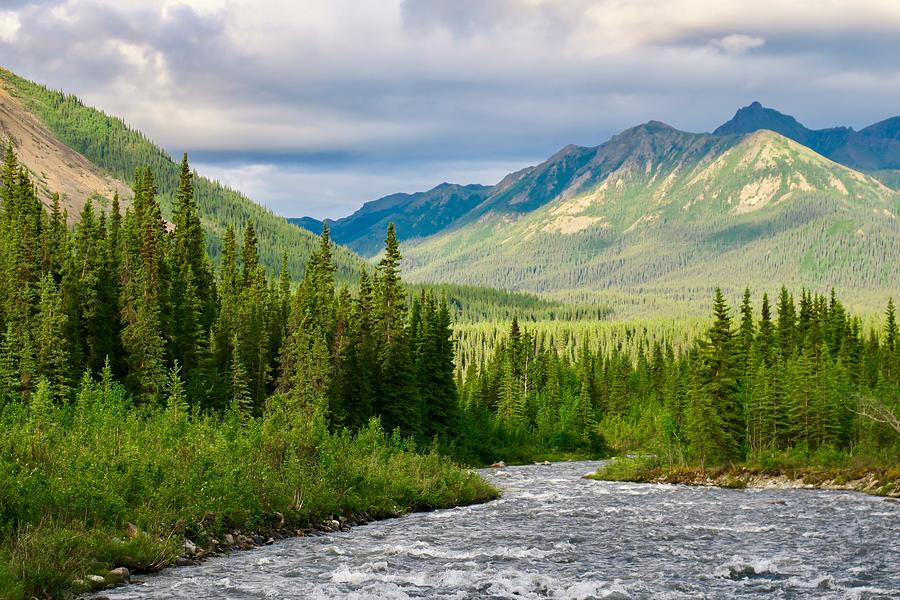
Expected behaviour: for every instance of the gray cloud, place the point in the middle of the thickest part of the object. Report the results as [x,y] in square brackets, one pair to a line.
[316,107]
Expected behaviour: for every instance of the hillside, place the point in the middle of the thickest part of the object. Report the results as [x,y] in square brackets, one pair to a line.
[55,167]
[80,152]
[673,213]
[415,215]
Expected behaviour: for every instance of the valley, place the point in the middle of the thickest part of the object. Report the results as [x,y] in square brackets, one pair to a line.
[181,367]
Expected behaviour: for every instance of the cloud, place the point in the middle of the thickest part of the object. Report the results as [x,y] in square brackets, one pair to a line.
[9,26]
[737,43]
[428,90]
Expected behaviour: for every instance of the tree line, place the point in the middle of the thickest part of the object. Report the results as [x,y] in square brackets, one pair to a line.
[130,295]
[800,376]
[134,296]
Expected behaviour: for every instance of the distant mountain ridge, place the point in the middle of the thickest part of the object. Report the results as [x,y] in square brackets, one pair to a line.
[416,215]
[874,149]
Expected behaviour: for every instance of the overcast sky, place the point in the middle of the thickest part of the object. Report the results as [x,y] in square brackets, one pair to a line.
[313,107]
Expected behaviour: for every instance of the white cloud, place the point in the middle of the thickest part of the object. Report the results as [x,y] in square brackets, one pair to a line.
[737,43]
[9,26]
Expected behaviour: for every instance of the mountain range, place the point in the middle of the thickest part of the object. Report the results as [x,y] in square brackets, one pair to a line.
[762,199]
[874,150]
[652,213]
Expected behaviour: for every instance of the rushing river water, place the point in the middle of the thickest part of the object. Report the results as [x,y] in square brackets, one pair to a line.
[555,535]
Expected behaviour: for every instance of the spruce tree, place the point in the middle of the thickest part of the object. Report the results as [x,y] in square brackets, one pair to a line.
[397,399]
[143,290]
[719,372]
[50,341]
[193,290]
[786,324]
[766,337]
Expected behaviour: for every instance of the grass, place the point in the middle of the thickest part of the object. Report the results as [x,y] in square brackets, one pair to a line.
[73,479]
[871,474]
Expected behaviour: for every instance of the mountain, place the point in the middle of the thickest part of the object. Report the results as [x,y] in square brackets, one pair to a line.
[415,215]
[83,153]
[874,150]
[876,147]
[664,212]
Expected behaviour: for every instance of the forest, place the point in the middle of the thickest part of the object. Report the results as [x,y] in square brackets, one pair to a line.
[141,390]
[142,382]
[801,376]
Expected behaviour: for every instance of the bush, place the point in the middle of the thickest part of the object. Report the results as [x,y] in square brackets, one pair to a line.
[73,477]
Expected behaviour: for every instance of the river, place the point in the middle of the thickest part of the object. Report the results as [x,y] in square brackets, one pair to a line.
[556,535]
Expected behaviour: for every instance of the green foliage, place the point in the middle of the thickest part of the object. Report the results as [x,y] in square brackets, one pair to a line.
[692,393]
[470,304]
[72,478]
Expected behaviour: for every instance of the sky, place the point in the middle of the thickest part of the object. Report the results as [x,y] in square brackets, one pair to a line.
[314,107]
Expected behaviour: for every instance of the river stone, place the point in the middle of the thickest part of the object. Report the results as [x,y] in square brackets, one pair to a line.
[185,562]
[229,539]
[95,579]
[189,548]
[118,576]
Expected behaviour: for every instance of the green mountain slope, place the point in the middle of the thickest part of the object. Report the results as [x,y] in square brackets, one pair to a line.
[874,149]
[115,151]
[660,210]
[415,215]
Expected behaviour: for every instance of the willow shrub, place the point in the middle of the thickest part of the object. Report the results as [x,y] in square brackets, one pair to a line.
[72,478]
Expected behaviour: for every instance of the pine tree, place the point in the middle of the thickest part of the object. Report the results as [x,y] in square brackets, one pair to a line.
[706,429]
[9,365]
[176,402]
[747,330]
[437,388]
[891,361]
[397,400]
[249,253]
[222,336]
[362,369]
[143,290]
[51,343]
[719,372]
[241,402]
[193,289]
[766,338]
[786,324]
[55,242]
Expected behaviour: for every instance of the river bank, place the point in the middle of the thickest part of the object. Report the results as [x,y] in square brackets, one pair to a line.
[90,489]
[878,481]
[195,552]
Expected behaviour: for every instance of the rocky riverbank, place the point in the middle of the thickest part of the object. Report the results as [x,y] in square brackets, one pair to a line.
[875,481]
[204,546]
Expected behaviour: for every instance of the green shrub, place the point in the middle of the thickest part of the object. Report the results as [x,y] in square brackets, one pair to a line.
[72,478]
